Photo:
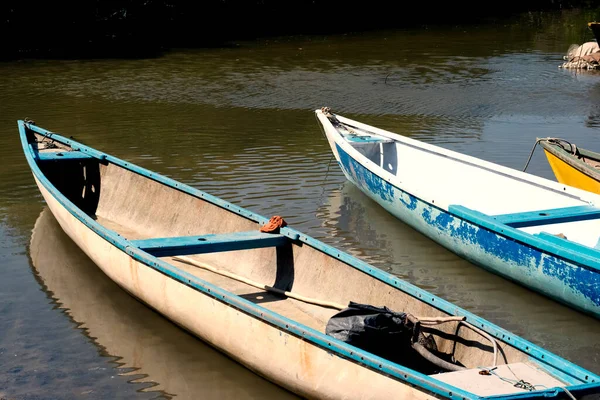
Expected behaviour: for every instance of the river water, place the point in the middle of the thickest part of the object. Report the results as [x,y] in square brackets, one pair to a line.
[237,122]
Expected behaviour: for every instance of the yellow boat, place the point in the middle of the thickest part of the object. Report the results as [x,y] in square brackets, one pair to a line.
[572,165]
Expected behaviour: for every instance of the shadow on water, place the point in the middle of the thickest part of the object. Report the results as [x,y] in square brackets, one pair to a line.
[147,349]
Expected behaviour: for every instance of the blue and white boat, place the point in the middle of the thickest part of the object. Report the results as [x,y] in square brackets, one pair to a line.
[541,234]
[267,298]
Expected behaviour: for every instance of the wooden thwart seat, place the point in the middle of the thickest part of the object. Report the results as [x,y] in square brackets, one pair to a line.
[185,245]
[546,217]
[62,155]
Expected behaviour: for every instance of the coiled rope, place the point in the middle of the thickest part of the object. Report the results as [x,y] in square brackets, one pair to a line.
[572,147]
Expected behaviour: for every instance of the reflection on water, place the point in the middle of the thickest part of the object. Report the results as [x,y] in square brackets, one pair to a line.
[237,122]
[593,120]
[145,346]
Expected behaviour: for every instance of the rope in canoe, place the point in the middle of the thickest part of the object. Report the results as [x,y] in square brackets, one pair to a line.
[485,335]
[424,321]
[521,383]
[531,153]
[518,383]
[305,299]
[572,147]
[310,300]
[568,393]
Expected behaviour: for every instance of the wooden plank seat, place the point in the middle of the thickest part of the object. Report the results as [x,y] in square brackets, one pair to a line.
[185,245]
[62,155]
[546,217]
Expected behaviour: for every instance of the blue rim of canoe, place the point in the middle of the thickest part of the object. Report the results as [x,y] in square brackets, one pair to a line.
[579,378]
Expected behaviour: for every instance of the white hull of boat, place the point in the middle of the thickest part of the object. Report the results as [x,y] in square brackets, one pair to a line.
[111,209]
[290,362]
[422,185]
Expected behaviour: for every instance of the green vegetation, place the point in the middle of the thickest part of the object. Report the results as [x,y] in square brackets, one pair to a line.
[141,28]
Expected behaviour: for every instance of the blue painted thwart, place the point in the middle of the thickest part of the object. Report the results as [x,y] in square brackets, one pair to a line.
[547,217]
[62,156]
[185,245]
[577,377]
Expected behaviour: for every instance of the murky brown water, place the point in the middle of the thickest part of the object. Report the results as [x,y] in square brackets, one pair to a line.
[237,123]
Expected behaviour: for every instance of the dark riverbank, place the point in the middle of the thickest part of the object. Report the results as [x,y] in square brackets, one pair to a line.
[145,28]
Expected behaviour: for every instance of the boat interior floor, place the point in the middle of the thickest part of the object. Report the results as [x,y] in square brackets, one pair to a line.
[311,315]
[504,379]
[122,230]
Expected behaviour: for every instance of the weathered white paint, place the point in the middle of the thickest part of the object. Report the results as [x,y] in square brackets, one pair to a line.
[443,177]
[282,358]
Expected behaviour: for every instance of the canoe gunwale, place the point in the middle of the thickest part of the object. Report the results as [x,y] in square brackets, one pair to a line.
[568,372]
[571,160]
[316,338]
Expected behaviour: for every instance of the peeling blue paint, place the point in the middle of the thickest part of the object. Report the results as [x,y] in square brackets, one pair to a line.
[409,201]
[561,278]
[369,182]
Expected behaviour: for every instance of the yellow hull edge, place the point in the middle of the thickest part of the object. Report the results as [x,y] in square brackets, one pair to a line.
[568,175]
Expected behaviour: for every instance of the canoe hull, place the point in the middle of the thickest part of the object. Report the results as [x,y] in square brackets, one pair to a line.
[569,175]
[557,278]
[285,359]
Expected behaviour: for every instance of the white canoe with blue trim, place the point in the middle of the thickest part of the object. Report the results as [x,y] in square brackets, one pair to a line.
[134,223]
[539,233]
